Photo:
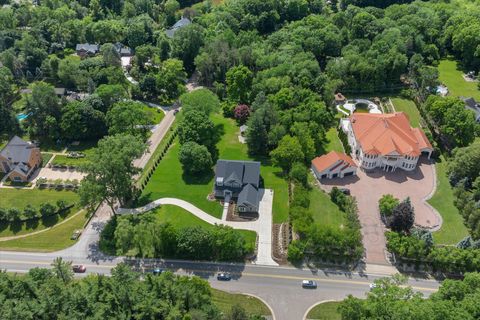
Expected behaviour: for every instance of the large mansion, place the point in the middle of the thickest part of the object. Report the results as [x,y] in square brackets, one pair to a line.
[385,141]
[19,159]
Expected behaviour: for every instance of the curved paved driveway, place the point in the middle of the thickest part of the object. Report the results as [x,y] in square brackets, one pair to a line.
[262,226]
[368,188]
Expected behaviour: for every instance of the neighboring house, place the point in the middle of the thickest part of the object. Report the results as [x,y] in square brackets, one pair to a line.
[60,92]
[87,49]
[471,104]
[385,141]
[238,180]
[19,159]
[123,50]
[332,165]
[178,25]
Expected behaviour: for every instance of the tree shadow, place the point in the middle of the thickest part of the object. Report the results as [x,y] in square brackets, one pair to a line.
[50,221]
[16,226]
[199,179]
[31,224]
[218,132]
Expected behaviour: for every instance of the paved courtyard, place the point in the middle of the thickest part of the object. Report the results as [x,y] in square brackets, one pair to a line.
[62,174]
[368,188]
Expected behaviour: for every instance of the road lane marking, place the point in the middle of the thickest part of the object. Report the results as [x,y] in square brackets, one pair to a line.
[246,274]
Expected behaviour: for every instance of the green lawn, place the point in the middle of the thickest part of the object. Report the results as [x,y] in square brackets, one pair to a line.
[54,239]
[325,311]
[333,142]
[409,107]
[168,179]
[224,301]
[19,198]
[86,148]
[46,157]
[323,210]
[181,218]
[453,229]
[451,76]
[156,114]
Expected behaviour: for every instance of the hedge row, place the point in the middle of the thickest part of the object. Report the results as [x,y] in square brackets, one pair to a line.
[30,212]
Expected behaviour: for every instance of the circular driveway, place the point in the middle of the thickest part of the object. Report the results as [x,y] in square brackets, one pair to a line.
[369,187]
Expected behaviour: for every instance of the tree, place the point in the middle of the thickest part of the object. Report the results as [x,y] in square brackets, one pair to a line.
[68,71]
[80,121]
[128,117]
[241,113]
[239,83]
[403,217]
[62,269]
[110,55]
[198,128]
[170,80]
[109,174]
[257,136]
[200,100]
[387,204]
[299,173]
[110,94]
[195,158]
[186,44]
[287,153]
[44,111]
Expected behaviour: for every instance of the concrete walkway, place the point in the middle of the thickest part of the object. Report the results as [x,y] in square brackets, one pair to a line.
[262,226]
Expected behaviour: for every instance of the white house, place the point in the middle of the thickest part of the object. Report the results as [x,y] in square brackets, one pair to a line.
[332,165]
[385,141]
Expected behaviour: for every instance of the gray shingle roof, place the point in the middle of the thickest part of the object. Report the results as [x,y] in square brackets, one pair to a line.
[470,102]
[89,48]
[248,196]
[17,150]
[178,25]
[242,171]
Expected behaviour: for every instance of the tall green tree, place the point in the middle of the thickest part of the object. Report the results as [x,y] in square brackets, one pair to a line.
[287,153]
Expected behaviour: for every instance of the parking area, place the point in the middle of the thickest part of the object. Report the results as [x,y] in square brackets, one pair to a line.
[62,174]
[368,188]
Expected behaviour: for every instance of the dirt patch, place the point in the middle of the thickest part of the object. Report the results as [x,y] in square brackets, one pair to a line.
[282,236]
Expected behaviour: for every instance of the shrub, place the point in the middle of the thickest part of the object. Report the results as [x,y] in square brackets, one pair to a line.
[241,113]
[301,197]
[299,173]
[403,216]
[387,203]
[295,251]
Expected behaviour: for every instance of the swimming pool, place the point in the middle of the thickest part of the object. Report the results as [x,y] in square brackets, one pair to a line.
[22,116]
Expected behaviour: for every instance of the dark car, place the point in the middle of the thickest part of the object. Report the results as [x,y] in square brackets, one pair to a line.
[78,268]
[309,284]
[223,276]
[157,271]
[345,191]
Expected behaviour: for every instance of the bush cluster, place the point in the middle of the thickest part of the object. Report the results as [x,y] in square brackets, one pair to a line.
[29,212]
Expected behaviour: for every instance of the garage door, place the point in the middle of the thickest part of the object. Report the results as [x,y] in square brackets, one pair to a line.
[348,174]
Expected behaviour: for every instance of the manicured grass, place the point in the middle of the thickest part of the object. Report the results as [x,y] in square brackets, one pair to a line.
[168,179]
[46,157]
[19,198]
[224,301]
[453,229]
[325,311]
[323,210]
[54,239]
[156,114]
[230,148]
[451,76]
[333,142]
[86,148]
[409,107]
[181,218]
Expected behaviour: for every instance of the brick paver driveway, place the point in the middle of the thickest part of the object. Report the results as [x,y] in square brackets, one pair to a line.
[369,187]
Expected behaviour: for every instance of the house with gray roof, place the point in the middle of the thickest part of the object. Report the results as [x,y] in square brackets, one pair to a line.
[178,25]
[87,49]
[19,159]
[473,105]
[238,180]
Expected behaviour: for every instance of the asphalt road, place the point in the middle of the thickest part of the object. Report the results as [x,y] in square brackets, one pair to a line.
[278,286]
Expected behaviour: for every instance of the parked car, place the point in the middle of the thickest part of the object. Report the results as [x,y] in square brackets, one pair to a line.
[157,271]
[175,111]
[76,234]
[79,268]
[345,191]
[309,284]
[224,276]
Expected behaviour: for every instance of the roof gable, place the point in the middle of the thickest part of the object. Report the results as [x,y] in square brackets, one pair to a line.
[331,160]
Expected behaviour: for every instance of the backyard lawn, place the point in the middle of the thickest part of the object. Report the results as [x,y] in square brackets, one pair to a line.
[333,142]
[54,239]
[156,114]
[45,158]
[224,301]
[325,311]
[323,210]
[86,148]
[168,179]
[453,229]
[409,107]
[451,76]
[19,198]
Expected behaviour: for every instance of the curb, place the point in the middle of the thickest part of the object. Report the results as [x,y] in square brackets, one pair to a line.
[314,305]
[264,302]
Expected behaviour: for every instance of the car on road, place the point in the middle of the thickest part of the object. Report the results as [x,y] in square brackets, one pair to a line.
[175,111]
[309,284]
[79,268]
[345,191]
[157,271]
[76,234]
[224,276]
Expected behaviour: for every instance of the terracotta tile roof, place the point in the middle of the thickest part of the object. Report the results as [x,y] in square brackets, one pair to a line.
[388,134]
[327,160]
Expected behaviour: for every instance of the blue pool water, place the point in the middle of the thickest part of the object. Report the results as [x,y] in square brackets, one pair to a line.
[22,116]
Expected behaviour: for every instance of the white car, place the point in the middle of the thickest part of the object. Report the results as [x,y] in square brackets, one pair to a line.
[309,284]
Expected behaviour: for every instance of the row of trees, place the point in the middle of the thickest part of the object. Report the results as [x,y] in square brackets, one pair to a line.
[53,294]
[391,299]
[319,241]
[13,214]
[145,236]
